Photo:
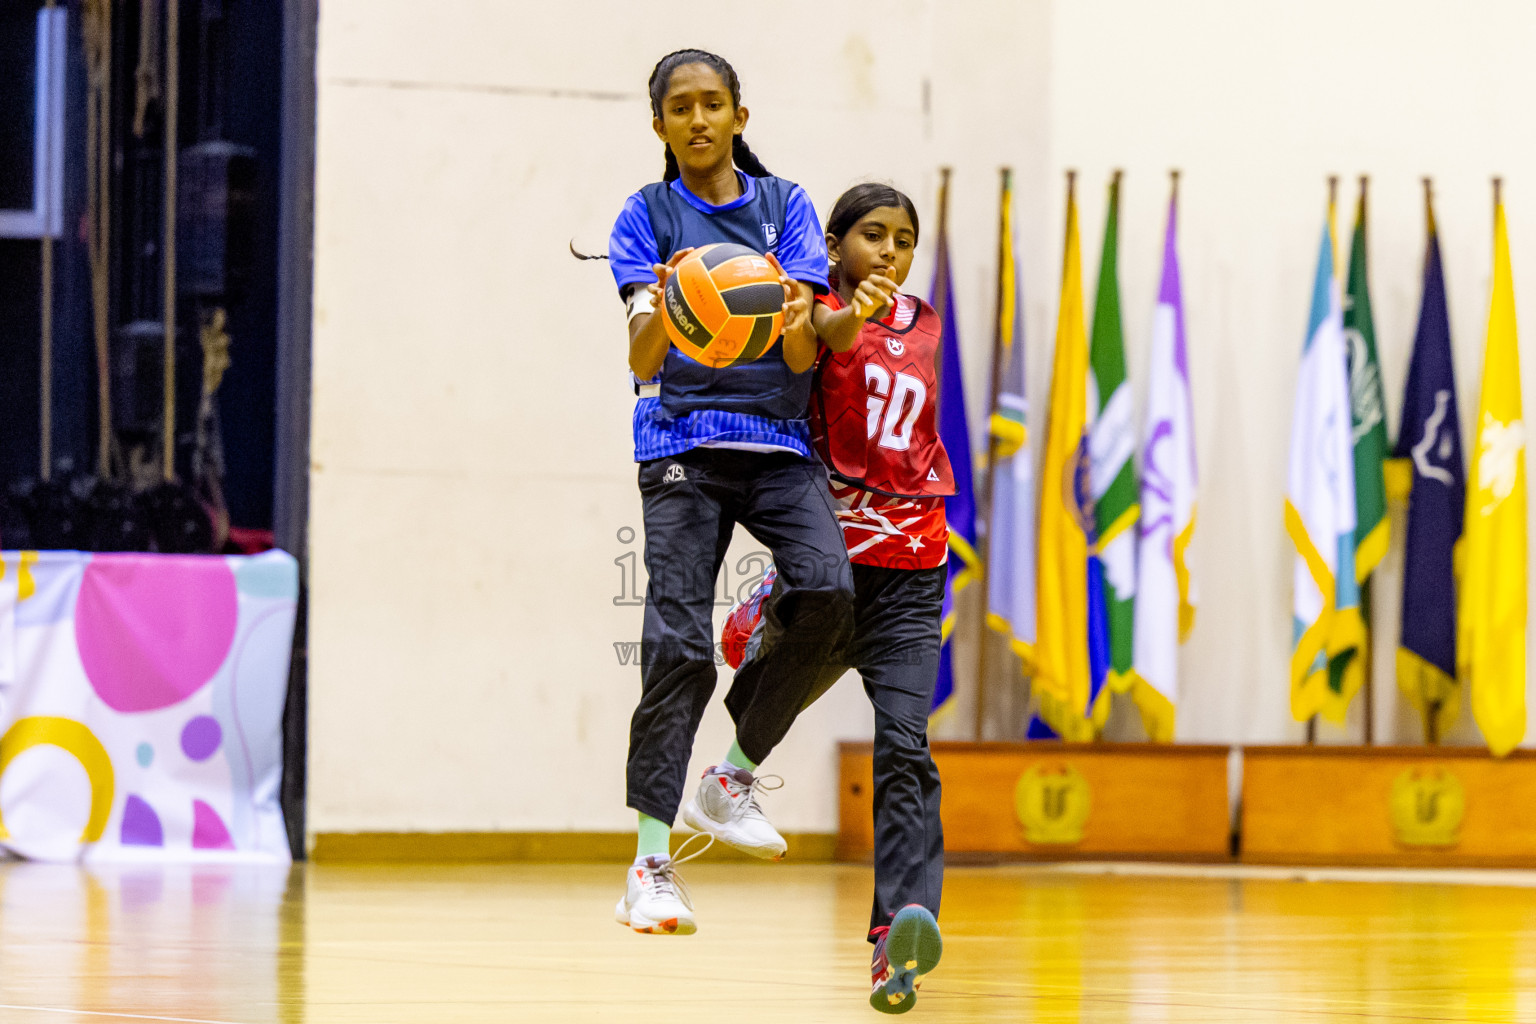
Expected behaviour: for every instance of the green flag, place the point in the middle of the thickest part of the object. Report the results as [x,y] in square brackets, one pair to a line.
[1112,442]
[1367,410]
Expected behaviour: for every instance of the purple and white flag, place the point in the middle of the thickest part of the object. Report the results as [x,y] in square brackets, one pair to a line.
[1165,609]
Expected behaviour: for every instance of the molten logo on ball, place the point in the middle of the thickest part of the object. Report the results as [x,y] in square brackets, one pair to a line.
[724,305]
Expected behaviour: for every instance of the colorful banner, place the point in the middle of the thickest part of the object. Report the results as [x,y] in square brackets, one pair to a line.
[141,702]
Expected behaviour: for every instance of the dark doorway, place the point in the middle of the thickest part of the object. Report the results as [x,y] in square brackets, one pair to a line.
[83,358]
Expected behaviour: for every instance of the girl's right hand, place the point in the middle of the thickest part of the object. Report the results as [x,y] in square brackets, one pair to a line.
[664,271]
[874,293]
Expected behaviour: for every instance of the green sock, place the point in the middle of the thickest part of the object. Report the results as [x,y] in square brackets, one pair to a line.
[736,759]
[655,838]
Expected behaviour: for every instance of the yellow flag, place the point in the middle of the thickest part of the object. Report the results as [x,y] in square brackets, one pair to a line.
[1490,640]
[1062,679]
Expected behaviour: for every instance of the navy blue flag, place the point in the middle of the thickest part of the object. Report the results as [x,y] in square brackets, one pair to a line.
[960,507]
[1428,466]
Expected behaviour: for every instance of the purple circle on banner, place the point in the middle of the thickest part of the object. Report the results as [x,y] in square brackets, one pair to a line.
[141,825]
[201,737]
[153,629]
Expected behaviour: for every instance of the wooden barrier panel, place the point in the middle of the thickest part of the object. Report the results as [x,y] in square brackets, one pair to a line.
[1060,801]
[1390,806]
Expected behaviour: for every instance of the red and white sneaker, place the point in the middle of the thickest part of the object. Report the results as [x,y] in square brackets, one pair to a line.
[725,807]
[905,951]
[653,903]
[656,899]
[743,620]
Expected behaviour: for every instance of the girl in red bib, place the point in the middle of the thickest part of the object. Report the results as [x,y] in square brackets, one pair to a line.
[874,424]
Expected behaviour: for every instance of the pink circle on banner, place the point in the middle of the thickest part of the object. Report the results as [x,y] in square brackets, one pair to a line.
[153,629]
[208,829]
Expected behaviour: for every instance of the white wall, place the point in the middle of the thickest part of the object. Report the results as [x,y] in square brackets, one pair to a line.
[1257,110]
[471,424]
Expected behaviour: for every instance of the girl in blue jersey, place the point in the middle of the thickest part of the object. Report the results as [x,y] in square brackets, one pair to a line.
[717,447]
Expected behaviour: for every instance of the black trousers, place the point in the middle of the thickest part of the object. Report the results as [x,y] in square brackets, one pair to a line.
[895,648]
[691,504]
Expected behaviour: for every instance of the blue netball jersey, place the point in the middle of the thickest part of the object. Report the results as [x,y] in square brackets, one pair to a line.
[772,216]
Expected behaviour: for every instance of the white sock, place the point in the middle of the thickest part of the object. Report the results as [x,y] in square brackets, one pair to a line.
[661,858]
[727,768]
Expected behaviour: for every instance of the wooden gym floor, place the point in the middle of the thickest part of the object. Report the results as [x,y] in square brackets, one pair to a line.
[536,943]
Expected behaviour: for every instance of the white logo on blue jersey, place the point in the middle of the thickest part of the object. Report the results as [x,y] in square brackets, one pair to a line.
[770,235]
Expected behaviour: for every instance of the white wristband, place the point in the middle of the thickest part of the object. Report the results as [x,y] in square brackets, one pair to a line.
[638,302]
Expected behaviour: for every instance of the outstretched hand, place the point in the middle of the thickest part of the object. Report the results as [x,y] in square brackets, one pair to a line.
[664,271]
[873,294]
[797,311]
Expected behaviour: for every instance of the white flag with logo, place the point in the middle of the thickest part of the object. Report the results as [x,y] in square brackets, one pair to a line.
[1165,604]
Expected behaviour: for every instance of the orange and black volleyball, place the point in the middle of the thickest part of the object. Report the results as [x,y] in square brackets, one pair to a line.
[724,305]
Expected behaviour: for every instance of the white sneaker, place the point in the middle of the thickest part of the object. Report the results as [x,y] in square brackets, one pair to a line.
[656,901]
[726,807]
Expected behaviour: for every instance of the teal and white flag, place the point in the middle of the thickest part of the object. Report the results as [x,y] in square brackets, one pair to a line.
[1328,631]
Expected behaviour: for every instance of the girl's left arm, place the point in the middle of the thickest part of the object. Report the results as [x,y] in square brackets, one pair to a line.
[800,341]
[802,244]
[799,336]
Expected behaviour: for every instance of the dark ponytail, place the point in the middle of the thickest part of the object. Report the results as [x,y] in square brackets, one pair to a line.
[661,79]
[746,159]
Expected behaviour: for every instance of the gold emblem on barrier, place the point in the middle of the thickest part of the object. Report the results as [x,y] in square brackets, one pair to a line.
[1427,807]
[1052,804]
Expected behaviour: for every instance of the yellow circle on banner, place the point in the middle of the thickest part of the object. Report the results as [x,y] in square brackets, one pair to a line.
[1052,803]
[74,738]
[1427,805]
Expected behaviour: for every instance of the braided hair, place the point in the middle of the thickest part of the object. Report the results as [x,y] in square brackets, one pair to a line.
[661,79]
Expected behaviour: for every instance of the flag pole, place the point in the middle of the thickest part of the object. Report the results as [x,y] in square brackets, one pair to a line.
[942,308]
[1003,241]
[984,512]
[1432,708]
[45,340]
[1333,228]
[1367,606]
[1071,196]
[168,248]
[1066,249]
